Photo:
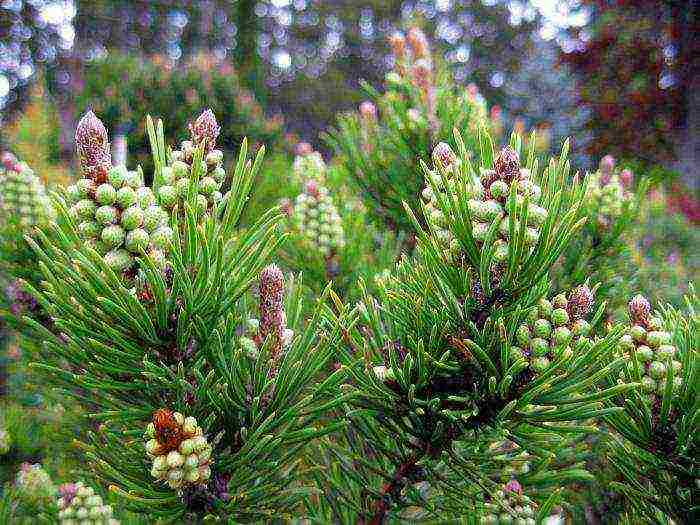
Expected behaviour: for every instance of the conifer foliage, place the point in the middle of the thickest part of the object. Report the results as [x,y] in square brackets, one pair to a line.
[182,419]
[462,349]
[657,453]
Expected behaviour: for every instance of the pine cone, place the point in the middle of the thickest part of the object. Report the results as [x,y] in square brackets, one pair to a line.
[487,202]
[34,484]
[653,348]
[176,178]
[180,451]
[119,218]
[606,194]
[309,167]
[316,219]
[510,505]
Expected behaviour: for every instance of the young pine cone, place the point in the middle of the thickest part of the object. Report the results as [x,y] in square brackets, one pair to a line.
[309,166]
[509,505]
[119,218]
[554,328]
[653,348]
[176,178]
[607,194]
[487,200]
[181,453]
[34,484]
[78,504]
[23,197]
[315,218]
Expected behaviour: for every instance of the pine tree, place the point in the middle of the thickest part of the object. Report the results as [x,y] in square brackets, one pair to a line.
[464,347]
[188,413]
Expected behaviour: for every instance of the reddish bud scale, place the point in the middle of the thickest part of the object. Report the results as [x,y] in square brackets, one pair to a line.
[580,303]
[640,310]
[92,146]
[507,165]
[272,317]
[168,431]
[205,130]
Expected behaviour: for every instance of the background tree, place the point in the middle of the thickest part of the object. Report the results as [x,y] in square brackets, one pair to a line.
[638,69]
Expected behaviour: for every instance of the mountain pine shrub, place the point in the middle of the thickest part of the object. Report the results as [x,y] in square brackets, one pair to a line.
[465,347]
[156,346]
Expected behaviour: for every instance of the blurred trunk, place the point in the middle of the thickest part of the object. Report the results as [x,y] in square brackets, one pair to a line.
[246,57]
[687,28]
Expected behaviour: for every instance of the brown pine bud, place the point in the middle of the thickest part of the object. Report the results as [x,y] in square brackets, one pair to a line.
[168,431]
[92,145]
[639,310]
[272,318]
[205,130]
[507,165]
[580,303]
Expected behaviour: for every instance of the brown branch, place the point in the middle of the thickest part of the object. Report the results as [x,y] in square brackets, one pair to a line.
[392,490]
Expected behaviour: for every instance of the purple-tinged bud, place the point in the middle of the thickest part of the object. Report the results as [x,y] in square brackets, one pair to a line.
[626,177]
[9,161]
[67,491]
[287,207]
[311,188]
[513,486]
[368,110]
[607,165]
[507,165]
[639,310]
[580,303]
[92,145]
[205,130]
[303,149]
[272,317]
[443,156]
